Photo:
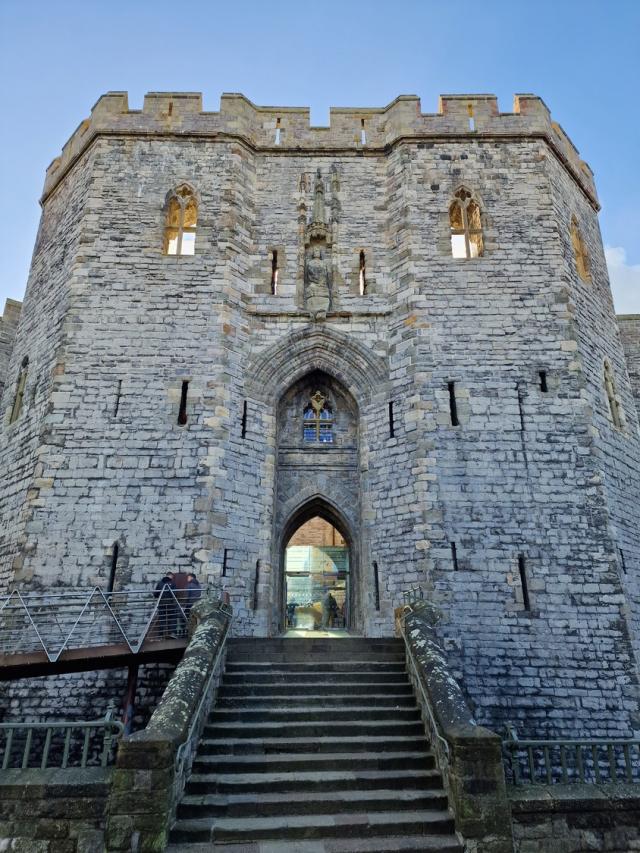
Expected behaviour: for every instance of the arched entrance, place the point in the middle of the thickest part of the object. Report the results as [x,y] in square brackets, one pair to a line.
[317,559]
[317,476]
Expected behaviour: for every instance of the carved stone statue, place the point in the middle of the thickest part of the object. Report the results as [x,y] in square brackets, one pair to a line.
[317,283]
[318,201]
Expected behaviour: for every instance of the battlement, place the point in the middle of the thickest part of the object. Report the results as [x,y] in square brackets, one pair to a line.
[289,128]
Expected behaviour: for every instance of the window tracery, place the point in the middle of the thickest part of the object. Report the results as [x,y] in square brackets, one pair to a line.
[466,226]
[181,221]
[318,420]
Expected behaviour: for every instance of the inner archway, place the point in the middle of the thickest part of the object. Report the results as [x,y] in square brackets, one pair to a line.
[317,578]
[317,477]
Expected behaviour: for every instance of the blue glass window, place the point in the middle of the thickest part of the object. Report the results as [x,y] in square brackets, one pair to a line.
[318,420]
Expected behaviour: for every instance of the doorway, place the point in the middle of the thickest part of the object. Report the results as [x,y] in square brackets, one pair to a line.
[317,590]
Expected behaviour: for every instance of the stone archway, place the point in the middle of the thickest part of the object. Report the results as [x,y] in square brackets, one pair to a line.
[352,377]
[311,507]
[317,469]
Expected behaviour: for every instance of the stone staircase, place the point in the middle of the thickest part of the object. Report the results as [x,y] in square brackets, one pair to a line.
[314,746]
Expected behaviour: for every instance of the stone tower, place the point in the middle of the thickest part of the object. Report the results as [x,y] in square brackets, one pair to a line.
[436,284]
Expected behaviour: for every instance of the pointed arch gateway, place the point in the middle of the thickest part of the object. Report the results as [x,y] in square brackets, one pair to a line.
[323,389]
[312,567]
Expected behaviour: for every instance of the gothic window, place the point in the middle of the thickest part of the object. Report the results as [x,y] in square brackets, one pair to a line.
[466,226]
[19,395]
[180,227]
[580,251]
[615,407]
[318,420]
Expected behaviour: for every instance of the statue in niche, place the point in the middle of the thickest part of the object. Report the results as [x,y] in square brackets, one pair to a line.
[317,265]
[318,201]
[317,284]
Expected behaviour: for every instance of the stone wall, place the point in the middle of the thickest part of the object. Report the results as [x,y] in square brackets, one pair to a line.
[8,328]
[54,811]
[512,519]
[629,325]
[82,695]
[574,818]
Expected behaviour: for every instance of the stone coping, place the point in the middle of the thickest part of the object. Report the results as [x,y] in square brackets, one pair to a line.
[617,796]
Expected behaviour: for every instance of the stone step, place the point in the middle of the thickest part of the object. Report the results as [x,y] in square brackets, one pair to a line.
[362,824]
[276,677]
[376,664]
[312,713]
[312,646]
[329,687]
[317,728]
[271,746]
[322,781]
[291,762]
[324,700]
[396,844]
[332,802]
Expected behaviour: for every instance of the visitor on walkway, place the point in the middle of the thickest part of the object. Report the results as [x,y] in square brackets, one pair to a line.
[194,591]
[329,611]
[167,608]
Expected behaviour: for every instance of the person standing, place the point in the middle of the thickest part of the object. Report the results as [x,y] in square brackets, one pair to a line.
[165,590]
[194,591]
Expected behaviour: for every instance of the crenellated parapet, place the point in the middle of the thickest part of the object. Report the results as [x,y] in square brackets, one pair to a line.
[288,129]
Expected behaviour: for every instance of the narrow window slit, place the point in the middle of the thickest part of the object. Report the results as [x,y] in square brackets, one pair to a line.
[453,405]
[18,398]
[114,565]
[622,561]
[376,584]
[255,585]
[454,556]
[523,582]
[520,406]
[118,395]
[244,419]
[543,381]
[278,131]
[362,274]
[472,123]
[363,133]
[224,562]
[392,426]
[182,414]
[274,272]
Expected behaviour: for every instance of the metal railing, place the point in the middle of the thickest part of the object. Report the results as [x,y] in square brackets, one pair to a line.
[81,618]
[87,743]
[413,594]
[551,762]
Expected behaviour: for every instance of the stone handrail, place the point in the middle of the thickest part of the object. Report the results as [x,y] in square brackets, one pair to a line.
[153,764]
[471,761]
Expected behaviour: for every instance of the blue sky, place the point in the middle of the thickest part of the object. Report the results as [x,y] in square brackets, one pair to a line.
[581,57]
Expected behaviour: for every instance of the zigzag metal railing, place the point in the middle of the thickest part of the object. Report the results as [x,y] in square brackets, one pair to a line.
[55,622]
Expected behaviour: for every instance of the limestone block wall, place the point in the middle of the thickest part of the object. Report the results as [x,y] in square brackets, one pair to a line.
[44,323]
[616,451]
[512,482]
[629,325]
[8,328]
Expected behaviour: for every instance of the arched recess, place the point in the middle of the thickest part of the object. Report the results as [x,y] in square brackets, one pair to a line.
[317,347]
[299,511]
